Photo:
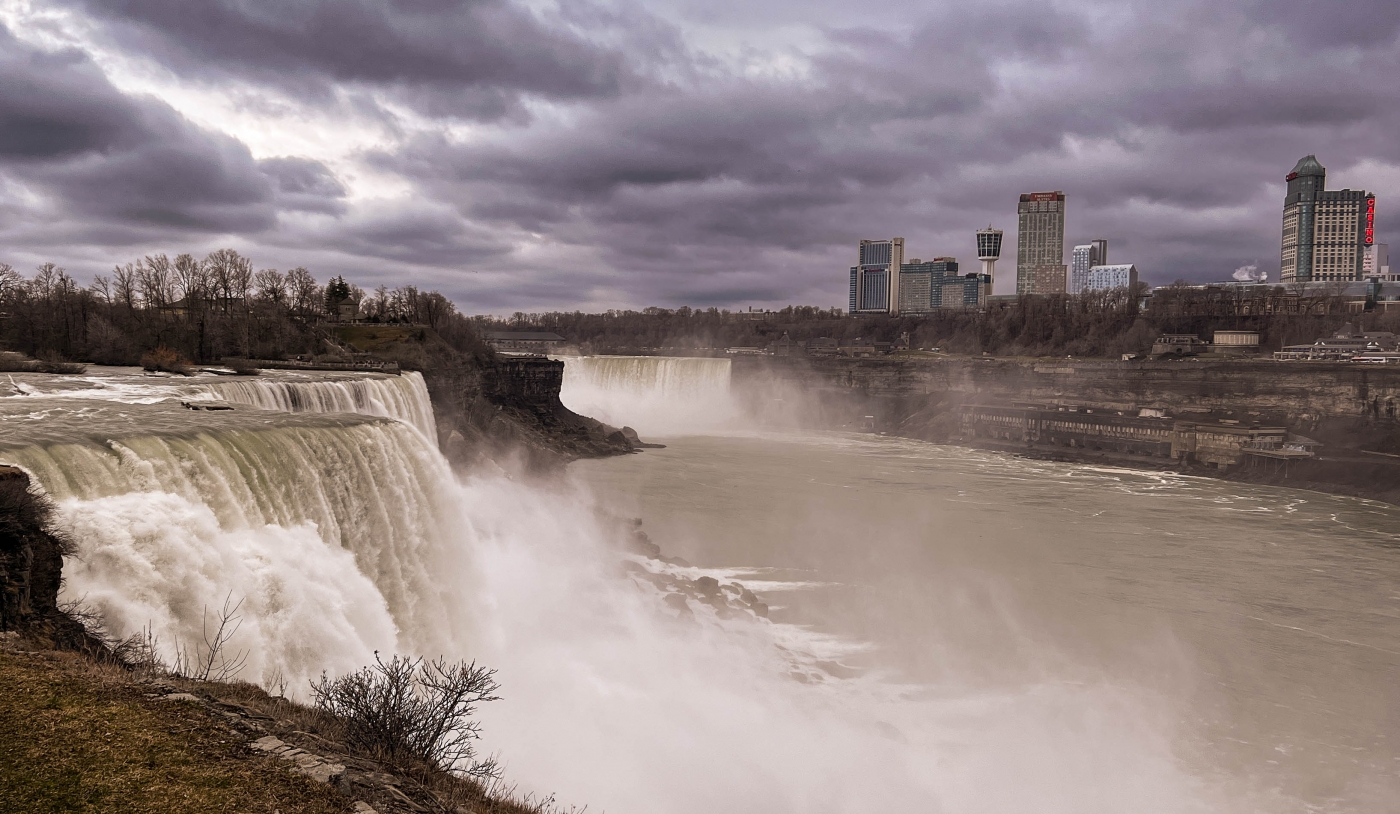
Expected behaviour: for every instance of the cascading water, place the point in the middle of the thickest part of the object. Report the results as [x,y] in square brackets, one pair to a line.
[656,395]
[344,535]
[403,397]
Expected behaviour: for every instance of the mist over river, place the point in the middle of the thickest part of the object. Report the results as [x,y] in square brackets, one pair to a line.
[1058,637]
[949,630]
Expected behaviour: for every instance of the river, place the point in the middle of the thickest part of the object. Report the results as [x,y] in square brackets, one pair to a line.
[949,630]
[1064,635]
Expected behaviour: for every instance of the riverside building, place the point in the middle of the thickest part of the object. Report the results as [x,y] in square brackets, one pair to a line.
[926,286]
[875,277]
[1325,232]
[1084,257]
[1040,243]
[1376,263]
[1107,278]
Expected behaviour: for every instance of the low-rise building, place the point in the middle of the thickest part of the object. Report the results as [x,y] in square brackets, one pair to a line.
[1347,344]
[1222,443]
[1178,345]
[525,341]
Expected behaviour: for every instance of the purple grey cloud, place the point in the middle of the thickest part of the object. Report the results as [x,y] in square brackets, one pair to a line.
[612,162]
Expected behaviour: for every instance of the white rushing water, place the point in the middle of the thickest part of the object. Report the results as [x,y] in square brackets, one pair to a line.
[403,397]
[655,395]
[345,535]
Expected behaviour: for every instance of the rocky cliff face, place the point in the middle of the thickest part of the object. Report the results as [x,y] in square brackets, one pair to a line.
[31,566]
[508,410]
[1354,410]
[894,389]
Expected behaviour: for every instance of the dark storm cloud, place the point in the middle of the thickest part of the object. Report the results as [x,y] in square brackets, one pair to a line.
[114,163]
[651,172]
[472,58]
[1171,135]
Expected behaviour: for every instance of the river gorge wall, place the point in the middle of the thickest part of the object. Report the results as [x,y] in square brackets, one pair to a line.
[1350,409]
[508,409]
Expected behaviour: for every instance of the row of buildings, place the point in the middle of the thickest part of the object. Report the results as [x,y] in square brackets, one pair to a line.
[882,282]
[1329,236]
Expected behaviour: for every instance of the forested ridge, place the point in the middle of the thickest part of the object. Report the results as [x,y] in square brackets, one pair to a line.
[201,310]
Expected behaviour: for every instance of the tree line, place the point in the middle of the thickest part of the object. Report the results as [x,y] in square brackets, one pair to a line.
[1092,324]
[203,309]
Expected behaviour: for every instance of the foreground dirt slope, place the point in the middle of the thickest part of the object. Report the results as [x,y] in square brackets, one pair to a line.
[78,736]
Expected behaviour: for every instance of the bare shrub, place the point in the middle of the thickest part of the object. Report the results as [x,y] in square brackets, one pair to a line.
[213,662]
[408,711]
[165,360]
[243,367]
[141,652]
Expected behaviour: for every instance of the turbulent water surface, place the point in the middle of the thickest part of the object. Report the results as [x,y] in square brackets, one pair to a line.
[950,630]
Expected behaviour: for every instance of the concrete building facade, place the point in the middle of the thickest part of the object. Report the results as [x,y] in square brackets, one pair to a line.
[1040,243]
[1376,262]
[1084,257]
[1325,232]
[875,277]
[921,283]
[1107,278]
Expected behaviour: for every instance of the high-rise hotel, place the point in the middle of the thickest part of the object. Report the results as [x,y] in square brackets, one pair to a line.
[1040,243]
[875,277]
[1325,232]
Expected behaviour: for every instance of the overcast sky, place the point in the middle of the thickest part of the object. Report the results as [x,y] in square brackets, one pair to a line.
[529,156]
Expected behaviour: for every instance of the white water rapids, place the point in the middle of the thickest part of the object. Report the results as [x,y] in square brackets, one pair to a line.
[344,532]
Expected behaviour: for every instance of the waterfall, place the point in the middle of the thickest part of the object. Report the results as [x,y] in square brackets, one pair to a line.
[331,535]
[343,535]
[657,395]
[403,397]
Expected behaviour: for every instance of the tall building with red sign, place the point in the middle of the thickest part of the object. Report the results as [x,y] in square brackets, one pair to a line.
[1040,243]
[1325,232]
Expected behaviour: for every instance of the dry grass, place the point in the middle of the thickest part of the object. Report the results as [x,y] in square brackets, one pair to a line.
[77,735]
[371,338]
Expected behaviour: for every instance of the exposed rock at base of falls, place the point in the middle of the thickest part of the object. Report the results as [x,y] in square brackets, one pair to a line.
[31,567]
[508,410]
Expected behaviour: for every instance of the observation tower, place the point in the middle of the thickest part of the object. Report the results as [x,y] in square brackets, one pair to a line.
[988,250]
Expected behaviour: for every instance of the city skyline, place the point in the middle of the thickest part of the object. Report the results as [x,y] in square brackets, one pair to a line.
[529,156]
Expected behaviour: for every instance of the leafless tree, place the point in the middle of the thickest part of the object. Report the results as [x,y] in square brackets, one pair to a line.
[408,710]
[271,286]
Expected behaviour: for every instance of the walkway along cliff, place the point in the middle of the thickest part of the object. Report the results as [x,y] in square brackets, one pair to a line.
[1322,426]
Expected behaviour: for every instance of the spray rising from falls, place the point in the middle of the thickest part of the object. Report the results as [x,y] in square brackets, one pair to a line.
[344,535]
[656,395]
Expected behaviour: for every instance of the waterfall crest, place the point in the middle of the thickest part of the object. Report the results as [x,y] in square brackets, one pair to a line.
[403,397]
[657,395]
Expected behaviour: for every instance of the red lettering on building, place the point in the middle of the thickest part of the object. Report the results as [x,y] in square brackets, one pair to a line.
[1370,221]
[1290,176]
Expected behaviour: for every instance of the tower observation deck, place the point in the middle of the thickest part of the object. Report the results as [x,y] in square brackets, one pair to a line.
[989,249]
